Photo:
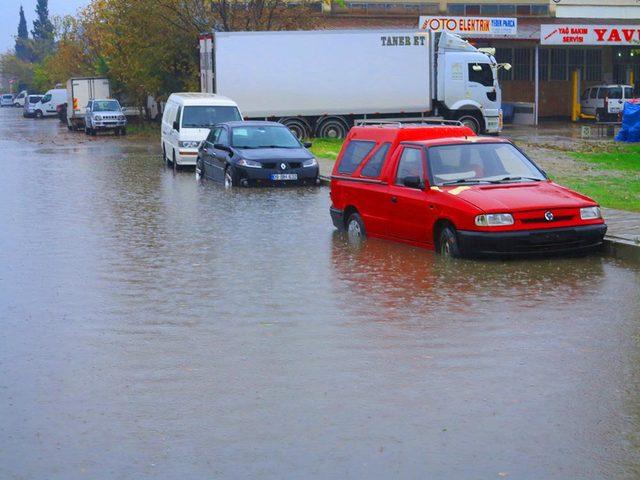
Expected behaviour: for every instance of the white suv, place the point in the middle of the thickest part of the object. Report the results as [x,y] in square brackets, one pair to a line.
[605,102]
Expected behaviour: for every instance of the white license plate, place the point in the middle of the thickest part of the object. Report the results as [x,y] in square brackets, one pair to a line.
[284,176]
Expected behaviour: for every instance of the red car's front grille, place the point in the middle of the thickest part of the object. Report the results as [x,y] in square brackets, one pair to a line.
[541,217]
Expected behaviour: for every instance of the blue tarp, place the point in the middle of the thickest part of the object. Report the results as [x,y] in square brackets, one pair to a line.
[630,131]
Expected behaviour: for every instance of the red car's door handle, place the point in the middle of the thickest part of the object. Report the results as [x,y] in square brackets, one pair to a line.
[394,199]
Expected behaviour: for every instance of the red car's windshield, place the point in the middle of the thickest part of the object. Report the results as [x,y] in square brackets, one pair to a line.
[480,163]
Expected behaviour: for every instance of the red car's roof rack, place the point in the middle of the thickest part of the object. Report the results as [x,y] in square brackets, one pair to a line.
[406,122]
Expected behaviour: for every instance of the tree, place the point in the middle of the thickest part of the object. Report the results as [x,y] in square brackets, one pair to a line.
[43,30]
[23,50]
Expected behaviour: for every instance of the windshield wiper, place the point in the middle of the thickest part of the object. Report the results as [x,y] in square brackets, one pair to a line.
[510,179]
[273,146]
[463,180]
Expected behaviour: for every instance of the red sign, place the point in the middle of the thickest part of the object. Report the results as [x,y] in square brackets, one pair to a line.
[589,34]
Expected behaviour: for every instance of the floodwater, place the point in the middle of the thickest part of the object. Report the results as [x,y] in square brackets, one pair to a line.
[154,327]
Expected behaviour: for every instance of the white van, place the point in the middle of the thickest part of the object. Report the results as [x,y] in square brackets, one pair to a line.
[605,102]
[20,98]
[47,105]
[186,122]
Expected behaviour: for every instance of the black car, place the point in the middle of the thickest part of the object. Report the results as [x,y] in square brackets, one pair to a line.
[255,153]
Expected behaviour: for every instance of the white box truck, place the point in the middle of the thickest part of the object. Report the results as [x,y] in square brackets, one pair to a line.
[322,82]
[79,91]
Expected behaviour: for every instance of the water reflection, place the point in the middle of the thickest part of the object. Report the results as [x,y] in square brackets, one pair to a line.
[395,276]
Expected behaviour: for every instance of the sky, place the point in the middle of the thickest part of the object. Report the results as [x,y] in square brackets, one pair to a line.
[10,15]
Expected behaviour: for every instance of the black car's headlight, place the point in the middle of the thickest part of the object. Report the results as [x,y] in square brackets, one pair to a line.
[249,163]
[312,162]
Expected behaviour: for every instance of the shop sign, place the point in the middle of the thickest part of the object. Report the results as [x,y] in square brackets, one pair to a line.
[561,34]
[470,26]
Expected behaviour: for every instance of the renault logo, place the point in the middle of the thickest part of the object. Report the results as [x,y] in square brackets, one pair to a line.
[283,166]
[548,216]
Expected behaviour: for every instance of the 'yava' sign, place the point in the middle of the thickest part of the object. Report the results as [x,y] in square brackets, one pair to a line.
[560,34]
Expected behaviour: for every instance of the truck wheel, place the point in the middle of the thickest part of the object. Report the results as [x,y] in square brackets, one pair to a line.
[470,121]
[448,243]
[332,128]
[355,228]
[297,126]
[600,116]
[38,114]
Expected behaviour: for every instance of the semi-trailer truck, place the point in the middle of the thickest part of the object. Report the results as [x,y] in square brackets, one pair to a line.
[323,82]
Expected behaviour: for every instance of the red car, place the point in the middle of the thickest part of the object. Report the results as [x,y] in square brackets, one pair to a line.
[442,187]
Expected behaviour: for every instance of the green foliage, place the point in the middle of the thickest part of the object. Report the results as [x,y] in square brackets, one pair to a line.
[624,157]
[43,31]
[23,47]
[615,175]
[609,191]
[326,147]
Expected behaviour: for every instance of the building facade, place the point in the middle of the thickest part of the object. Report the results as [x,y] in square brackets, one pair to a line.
[612,58]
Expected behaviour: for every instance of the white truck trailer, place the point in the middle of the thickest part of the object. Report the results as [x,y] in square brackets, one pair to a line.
[79,91]
[322,82]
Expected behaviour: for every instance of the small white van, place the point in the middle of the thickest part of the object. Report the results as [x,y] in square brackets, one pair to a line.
[20,99]
[47,105]
[605,102]
[187,120]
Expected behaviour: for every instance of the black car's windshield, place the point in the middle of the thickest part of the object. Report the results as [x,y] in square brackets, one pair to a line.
[480,163]
[263,136]
[106,106]
[206,116]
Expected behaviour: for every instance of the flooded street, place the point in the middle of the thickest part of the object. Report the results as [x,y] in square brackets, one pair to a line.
[157,327]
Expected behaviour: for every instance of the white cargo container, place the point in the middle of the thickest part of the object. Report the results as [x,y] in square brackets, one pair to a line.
[322,82]
[79,92]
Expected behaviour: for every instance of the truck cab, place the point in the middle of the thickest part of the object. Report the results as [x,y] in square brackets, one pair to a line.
[467,85]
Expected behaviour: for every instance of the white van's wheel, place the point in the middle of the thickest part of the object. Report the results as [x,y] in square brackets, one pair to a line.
[38,114]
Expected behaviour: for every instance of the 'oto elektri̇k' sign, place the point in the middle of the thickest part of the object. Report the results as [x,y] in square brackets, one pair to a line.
[590,34]
[470,25]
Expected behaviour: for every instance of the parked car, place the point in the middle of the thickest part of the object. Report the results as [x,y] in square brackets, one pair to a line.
[6,100]
[443,188]
[20,99]
[255,153]
[48,104]
[605,102]
[187,120]
[30,105]
[102,115]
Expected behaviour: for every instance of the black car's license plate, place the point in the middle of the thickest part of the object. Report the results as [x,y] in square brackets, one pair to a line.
[284,176]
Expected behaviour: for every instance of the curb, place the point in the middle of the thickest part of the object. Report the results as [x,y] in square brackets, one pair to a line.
[621,249]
